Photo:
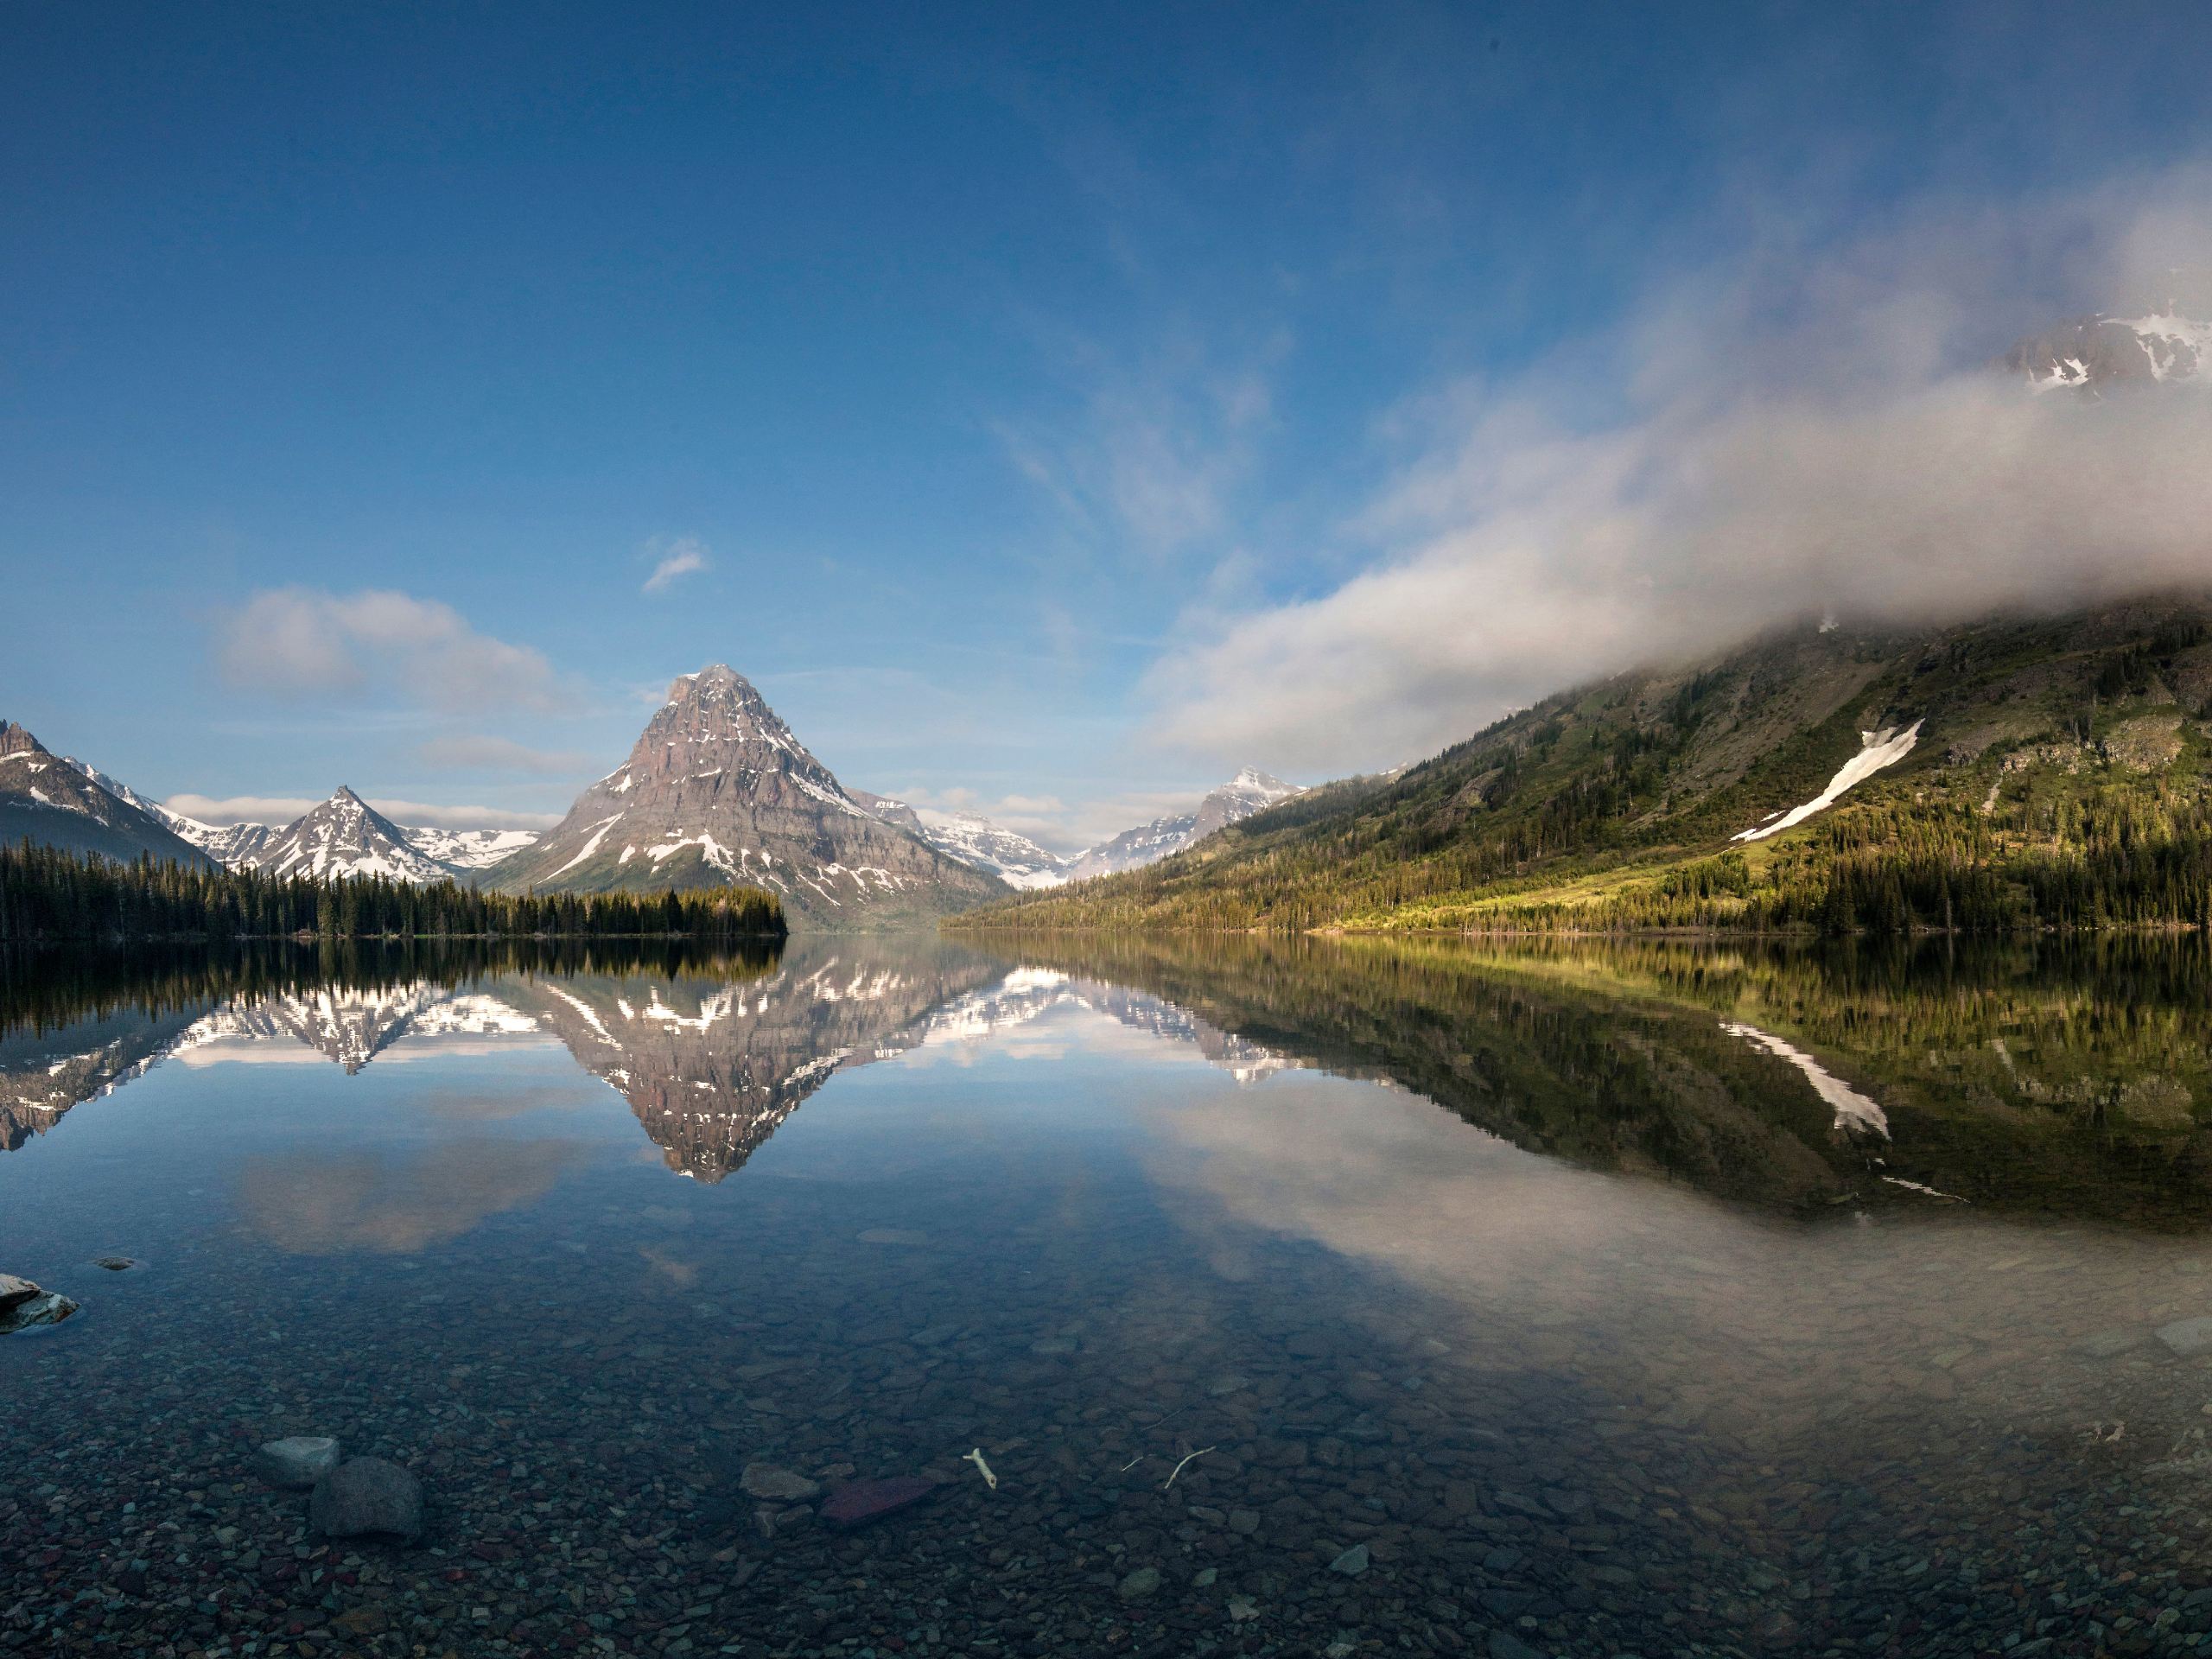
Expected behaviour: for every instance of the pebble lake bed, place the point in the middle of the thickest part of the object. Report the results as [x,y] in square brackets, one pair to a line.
[893,1297]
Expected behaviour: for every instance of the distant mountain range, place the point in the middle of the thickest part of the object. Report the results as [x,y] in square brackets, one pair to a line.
[973,839]
[1248,792]
[342,837]
[1020,862]
[345,837]
[717,789]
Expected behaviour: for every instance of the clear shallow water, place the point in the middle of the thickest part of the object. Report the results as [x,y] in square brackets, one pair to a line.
[1646,1298]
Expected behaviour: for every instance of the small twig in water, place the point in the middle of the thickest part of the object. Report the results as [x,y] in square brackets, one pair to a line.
[1186,1462]
[976,1458]
[1132,1462]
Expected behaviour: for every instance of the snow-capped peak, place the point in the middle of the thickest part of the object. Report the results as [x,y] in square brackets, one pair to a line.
[345,837]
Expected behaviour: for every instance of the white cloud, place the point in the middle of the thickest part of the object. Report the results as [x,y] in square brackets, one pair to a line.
[282,809]
[1814,428]
[471,752]
[242,809]
[684,557]
[312,642]
[439,816]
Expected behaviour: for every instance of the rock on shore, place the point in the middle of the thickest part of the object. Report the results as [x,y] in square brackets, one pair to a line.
[24,1305]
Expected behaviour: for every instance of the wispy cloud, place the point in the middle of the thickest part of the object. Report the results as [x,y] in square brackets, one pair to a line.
[469,752]
[1149,459]
[685,556]
[311,642]
[1811,428]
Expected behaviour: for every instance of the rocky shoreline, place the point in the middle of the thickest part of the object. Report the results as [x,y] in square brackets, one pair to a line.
[651,1479]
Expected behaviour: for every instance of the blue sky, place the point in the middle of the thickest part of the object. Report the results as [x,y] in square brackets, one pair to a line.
[1026,397]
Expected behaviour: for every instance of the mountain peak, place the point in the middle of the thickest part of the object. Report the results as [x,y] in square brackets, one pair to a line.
[715,677]
[345,837]
[14,740]
[716,788]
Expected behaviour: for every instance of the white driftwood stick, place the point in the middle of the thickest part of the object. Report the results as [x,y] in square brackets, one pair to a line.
[1186,1462]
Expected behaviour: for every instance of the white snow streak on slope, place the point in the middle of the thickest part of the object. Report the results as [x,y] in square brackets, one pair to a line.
[1882,748]
[1922,1187]
[1853,1109]
[590,846]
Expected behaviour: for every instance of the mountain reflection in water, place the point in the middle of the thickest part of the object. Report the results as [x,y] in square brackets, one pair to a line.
[1612,1297]
[2060,1080]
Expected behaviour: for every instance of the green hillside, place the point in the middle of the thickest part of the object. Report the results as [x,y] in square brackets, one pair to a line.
[2060,777]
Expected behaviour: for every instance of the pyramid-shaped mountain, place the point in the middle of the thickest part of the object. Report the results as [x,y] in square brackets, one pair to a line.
[345,837]
[718,791]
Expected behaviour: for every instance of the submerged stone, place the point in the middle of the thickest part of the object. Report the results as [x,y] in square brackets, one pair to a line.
[1140,1584]
[297,1462]
[871,1500]
[366,1496]
[1352,1563]
[770,1481]
[2189,1338]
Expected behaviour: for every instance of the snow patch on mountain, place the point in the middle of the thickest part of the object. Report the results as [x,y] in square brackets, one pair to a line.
[1876,750]
[467,849]
[2092,355]
[971,838]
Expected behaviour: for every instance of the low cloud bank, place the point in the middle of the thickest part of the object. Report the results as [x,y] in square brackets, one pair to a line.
[282,809]
[1810,430]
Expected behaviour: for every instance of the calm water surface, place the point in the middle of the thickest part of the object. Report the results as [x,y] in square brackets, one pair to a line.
[1318,1298]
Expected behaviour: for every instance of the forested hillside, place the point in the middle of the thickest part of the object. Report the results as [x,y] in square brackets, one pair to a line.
[2057,774]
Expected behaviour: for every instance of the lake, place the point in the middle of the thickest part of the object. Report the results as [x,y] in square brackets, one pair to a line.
[1324,1297]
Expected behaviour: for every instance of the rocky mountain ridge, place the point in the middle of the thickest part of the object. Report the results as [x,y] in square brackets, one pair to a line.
[51,802]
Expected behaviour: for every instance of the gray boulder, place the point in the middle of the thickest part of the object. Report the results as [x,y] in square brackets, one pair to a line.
[296,1463]
[367,1496]
[2188,1338]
